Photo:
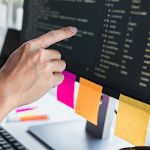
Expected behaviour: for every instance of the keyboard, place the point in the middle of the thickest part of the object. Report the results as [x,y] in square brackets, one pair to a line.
[8,142]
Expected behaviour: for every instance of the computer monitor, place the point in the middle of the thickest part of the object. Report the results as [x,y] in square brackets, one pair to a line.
[112,47]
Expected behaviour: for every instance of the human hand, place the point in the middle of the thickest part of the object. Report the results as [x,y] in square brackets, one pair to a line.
[32,70]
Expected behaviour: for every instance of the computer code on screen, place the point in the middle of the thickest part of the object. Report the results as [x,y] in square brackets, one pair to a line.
[112,46]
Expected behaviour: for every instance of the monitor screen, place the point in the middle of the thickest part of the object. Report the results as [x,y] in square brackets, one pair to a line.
[112,47]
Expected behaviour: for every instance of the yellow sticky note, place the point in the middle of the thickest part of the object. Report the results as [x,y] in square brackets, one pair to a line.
[88,100]
[132,120]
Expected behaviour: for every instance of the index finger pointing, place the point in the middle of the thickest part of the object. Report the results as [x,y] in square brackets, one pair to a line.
[54,36]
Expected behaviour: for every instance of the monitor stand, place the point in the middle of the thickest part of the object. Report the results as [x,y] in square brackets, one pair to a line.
[105,117]
[77,135]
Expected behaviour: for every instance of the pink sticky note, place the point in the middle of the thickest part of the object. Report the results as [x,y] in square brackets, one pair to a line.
[65,91]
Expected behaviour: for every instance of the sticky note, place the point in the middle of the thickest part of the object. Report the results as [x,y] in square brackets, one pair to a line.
[88,101]
[132,120]
[65,91]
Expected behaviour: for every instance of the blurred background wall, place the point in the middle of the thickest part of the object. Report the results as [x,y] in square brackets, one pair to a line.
[11,14]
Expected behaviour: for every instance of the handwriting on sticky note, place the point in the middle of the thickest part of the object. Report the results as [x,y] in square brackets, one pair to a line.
[65,91]
[88,100]
[132,120]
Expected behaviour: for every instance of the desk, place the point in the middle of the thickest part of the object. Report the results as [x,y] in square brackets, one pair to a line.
[58,112]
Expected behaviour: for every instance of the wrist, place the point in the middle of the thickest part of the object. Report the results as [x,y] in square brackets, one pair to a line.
[6,105]
[4,108]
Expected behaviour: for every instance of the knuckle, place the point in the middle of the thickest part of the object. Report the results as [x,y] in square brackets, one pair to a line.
[40,52]
[52,33]
[63,63]
[64,67]
[28,45]
[39,55]
[48,68]
[51,66]
[60,78]
[57,53]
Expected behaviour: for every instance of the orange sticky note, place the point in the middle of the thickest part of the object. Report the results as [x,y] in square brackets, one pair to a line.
[88,100]
[132,120]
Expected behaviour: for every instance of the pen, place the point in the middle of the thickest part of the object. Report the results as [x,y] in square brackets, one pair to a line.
[27,118]
[25,109]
